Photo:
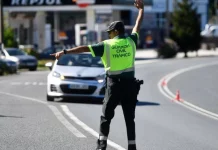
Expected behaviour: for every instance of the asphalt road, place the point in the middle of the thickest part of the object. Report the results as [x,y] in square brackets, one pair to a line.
[29,122]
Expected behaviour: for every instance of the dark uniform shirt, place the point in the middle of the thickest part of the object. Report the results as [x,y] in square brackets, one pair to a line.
[98,50]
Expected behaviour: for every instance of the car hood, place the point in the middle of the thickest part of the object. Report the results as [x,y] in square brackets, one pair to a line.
[7,60]
[79,71]
[25,57]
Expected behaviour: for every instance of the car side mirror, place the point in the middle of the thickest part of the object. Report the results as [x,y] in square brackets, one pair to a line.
[49,65]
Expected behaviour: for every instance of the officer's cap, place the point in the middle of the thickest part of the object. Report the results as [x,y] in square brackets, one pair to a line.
[116,25]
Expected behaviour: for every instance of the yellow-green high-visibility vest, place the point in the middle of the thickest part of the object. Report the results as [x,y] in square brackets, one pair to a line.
[119,56]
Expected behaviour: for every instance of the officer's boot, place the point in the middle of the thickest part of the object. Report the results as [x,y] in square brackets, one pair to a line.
[101,145]
[132,147]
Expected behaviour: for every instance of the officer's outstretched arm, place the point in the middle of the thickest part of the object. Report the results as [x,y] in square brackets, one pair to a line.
[75,50]
[140,5]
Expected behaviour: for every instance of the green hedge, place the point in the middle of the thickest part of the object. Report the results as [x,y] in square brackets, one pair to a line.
[31,51]
[168,49]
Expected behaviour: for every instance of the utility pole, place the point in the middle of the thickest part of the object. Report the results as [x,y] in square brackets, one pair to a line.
[1,24]
[167,19]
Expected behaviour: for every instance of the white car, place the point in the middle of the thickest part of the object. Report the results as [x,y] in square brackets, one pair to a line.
[76,75]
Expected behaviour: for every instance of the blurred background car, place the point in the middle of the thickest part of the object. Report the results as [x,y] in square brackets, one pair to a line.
[7,66]
[45,54]
[23,59]
[76,75]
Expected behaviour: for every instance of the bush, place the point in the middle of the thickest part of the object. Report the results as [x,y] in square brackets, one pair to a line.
[29,50]
[32,52]
[8,38]
[168,49]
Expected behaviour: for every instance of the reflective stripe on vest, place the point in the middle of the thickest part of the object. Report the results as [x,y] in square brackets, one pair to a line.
[109,72]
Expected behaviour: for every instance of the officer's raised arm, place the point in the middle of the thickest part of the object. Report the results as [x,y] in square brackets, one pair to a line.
[140,5]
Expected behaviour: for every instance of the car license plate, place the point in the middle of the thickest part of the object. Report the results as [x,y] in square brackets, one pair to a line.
[78,86]
[30,64]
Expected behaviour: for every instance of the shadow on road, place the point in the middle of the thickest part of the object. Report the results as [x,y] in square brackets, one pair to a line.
[81,101]
[100,102]
[143,103]
[10,116]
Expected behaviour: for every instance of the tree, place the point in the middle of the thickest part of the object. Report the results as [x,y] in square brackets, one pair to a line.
[8,38]
[186,27]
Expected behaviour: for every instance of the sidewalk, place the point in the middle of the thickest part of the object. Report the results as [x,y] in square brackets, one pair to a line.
[152,54]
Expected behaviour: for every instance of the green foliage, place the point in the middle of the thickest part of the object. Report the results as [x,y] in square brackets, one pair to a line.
[186,27]
[8,38]
[31,51]
[168,49]
[212,8]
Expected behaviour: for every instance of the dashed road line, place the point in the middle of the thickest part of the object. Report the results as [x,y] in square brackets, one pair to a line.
[56,112]
[65,122]
[29,83]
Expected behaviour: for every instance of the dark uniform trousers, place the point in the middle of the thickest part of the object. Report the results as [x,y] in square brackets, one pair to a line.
[124,92]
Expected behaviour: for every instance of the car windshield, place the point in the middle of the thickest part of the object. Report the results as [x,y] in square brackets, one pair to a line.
[15,52]
[85,60]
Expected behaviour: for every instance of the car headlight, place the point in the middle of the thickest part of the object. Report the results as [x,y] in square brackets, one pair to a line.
[58,75]
[100,78]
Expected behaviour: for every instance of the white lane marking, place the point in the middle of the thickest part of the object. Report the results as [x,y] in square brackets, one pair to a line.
[166,92]
[34,83]
[28,83]
[66,123]
[23,97]
[56,112]
[87,128]
[42,83]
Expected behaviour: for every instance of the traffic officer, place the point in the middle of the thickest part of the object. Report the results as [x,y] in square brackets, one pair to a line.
[118,57]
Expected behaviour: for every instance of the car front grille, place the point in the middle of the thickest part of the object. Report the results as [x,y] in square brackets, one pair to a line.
[53,88]
[102,91]
[65,88]
[79,78]
[28,61]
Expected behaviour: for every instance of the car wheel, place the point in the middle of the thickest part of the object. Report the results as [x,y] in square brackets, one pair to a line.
[50,98]
[2,73]
[33,68]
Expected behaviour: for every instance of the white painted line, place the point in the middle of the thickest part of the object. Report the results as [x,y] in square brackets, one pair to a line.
[42,83]
[34,83]
[23,97]
[56,112]
[27,83]
[87,128]
[166,92]
[66,123]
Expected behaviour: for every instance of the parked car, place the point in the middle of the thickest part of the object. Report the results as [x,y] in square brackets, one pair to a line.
[45,54]
[7,66]
[23,59]
[76,75]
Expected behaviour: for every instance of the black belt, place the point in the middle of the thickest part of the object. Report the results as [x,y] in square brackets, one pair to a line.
[117,79]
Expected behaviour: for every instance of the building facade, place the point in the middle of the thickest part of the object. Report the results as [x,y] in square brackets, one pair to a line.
[45,22]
